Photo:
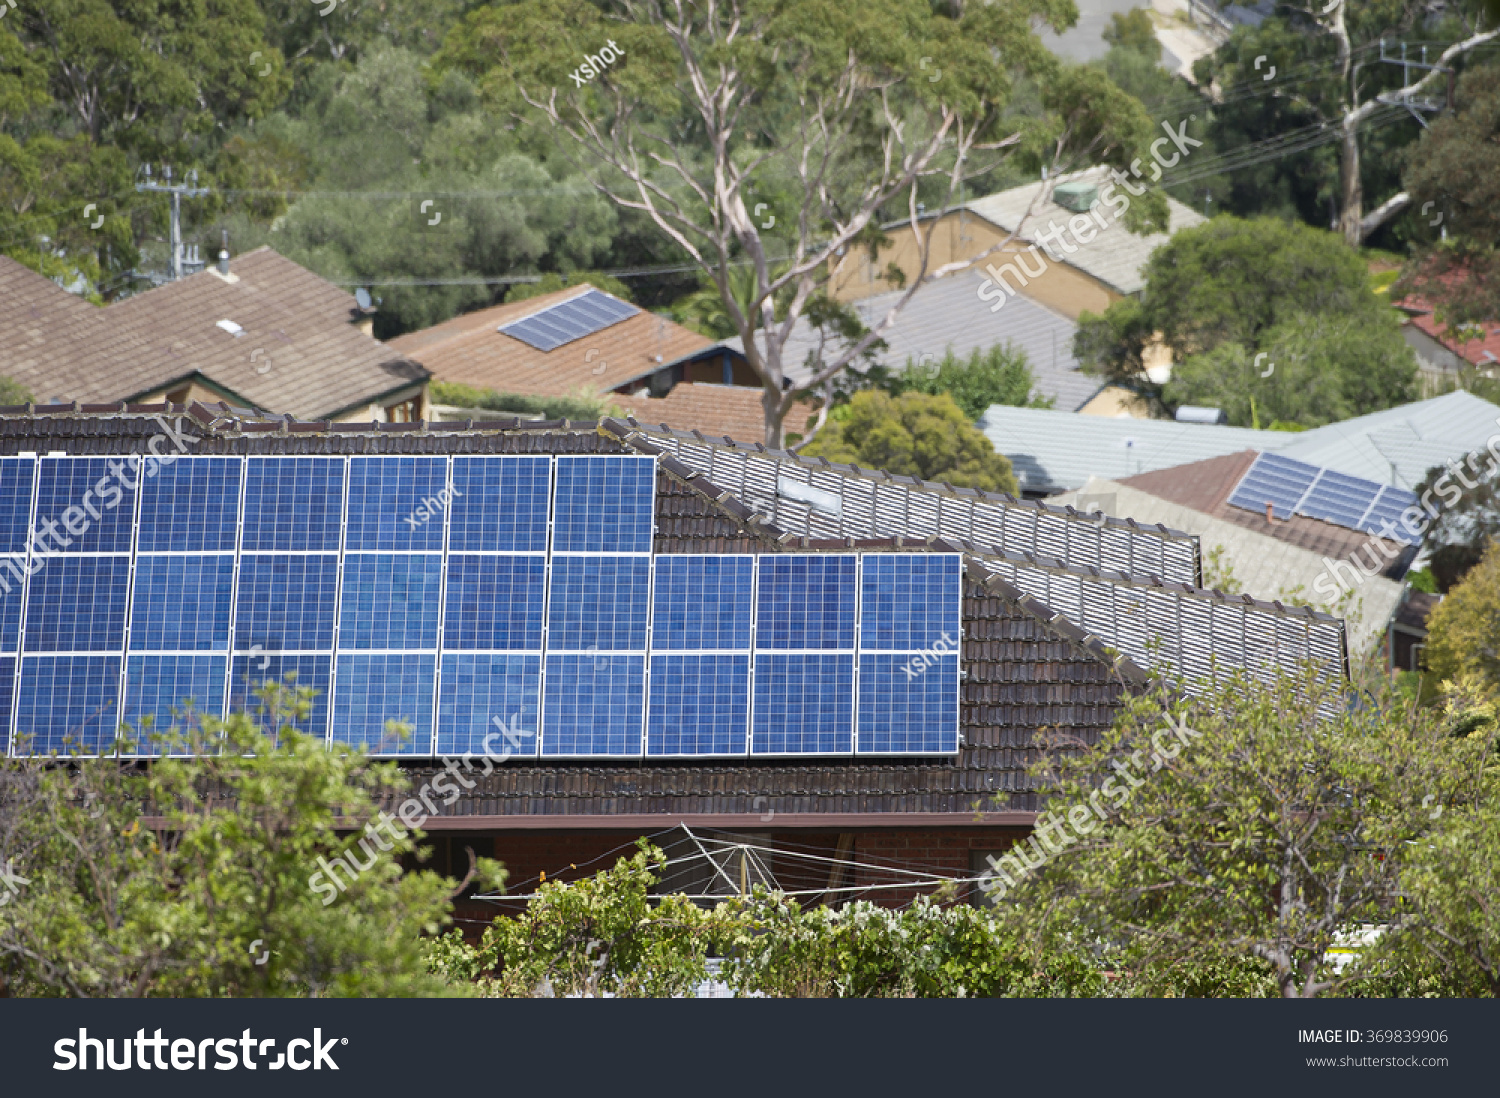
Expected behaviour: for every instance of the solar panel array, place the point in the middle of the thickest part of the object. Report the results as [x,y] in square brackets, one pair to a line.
[1294,487]
[569,320]
[872,505]
[508,600]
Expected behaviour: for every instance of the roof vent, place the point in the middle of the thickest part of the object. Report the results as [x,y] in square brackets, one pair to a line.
[231,327]
[1191,413]
[1078,197]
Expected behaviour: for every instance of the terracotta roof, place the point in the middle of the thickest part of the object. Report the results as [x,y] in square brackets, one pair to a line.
[1482,350]
[468,349]
[732,410]
[1207,485]
[298,351]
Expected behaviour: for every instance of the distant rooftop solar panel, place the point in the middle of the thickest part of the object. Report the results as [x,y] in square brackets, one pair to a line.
[569,320]
[1294,487]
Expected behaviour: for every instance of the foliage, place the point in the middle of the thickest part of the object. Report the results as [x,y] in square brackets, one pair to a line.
[115,906]
[1133,30]
[914,435]
[1466,496]
[1462,629]
[1282,819]
[1227,290]
[551,282]
[580,406]
[13,392]
[999,375]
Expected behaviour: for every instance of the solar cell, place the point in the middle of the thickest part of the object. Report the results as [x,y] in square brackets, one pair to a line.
[390,600]
[68,704]
[181,604]
[7,688]
[699,704]
[702,602]
[1388,507]
[252,670]
[909,600]
[166,695]
[286,602]
[804,704]
[12,573]
[495,602]
[566,321]
[604,505]
[1295,487]
[593,705]
[490,697]
[500,504]
[598,603]
[908,705]
[191,506]
[806,602]
[15,502]
[77,604]
[371,689]
[66,490]
[397,503]
[293,504]
[1339,499]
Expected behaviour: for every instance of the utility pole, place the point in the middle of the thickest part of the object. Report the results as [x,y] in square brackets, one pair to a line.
[192,190]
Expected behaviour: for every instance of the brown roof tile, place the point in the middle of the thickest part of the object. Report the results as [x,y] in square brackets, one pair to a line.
[729,410]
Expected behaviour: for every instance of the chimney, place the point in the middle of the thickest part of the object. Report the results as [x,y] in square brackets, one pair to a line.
[224,254]
[1270,514]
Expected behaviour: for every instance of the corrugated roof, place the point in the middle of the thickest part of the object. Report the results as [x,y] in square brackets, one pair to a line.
[298,351]
[949,313]
[468,349]
[1116,256]
[1266,567]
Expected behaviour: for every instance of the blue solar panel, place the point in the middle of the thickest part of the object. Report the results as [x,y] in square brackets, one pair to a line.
[699,705]
[593,705]
[804,704]
[604,505]
[7,689]
[599,603]
[575,318]
[86,505]
[1277,480]
[702,603]
[495,602]
[15,503]
[181,604]
[293,504]
[500,504]
[191,506]
[1339,499]
[286,603]
[12,573]
[1388,508]
[397,503]
[68,703]
[1295,487]
[77,604]
[909,601]
[805,602]
[908,704]
[489,696]
[372,689]
[390,600]
[158,690]
[253,670]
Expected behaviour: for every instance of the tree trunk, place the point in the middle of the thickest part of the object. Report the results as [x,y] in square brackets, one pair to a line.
[1351,216]
[770,402]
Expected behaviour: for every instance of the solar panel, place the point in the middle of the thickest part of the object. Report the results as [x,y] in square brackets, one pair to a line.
[910,601]
[908,705]
[397,503]
[598,603]
[286,602]
[7,687]
[372,689]
[68,703]
[500,504]
[495,602]
[806,602]
[158,689]
[15,502]
[77,604]
[293,503]
[702,602]
[699,704]
[1295,487]
[182,604]
[12,575]
[569,320]
[593,704]
[66,490]
[253,670]
[390,600]
[804,704]
[604,505]
[489,703]
[191,506]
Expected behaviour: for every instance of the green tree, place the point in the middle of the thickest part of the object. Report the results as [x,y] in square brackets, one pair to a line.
[1000,374]
[1463,629]
[115,907]
[710,121]
[1133,30]
[551,282]
[914,435]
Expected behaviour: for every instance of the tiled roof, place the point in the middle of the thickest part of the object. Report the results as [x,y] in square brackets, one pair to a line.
[949,313]
[1482,350]
[733,410]
[1206,486]
[468,349]
[298,351]
[1115,256]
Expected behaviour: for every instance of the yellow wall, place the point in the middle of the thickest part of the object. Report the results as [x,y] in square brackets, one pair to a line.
[960,235]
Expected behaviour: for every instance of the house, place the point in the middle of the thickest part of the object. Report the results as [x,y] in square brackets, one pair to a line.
[1103,267]
[1056,451]
[264,335]
[581,340]
[1443,351]
[662,622]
